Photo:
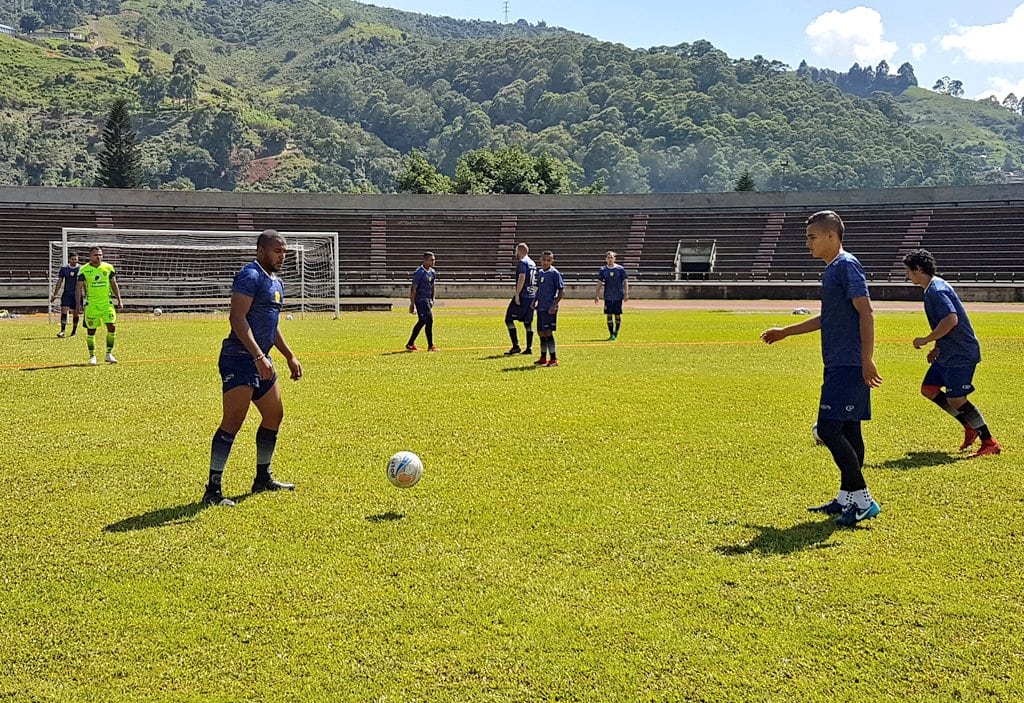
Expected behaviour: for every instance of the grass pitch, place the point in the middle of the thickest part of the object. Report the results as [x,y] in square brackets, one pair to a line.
[629,526]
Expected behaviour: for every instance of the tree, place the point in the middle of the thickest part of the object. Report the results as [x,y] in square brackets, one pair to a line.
[745,183]
[56,13]
[30,22]
[119,157]
[1010,102]
[420,176]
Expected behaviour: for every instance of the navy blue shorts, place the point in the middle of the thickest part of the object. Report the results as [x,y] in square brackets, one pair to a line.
[957,380]
[240,370]
[613,307]
[844,395]
[425,310]
[519,313]
[68,301]
[546,322]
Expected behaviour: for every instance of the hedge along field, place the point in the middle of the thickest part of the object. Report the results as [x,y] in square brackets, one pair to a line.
[628,526]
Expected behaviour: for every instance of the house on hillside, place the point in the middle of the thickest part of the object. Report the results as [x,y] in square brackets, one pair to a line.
[4,29]
[61,34]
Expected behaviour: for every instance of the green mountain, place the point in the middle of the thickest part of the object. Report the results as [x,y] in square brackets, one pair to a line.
[330,95]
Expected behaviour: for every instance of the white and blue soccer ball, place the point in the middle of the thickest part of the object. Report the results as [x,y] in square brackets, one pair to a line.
[158,312]
[405,469]
[289,317]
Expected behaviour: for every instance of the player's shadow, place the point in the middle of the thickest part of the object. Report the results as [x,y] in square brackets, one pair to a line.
[811,534]
[531,367]
[164,516]
[495,356]
[50,367]
[918,460]
[400,351]
[390,516]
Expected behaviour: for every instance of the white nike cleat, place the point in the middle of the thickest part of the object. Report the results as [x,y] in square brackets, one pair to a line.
[110,358]
[92,361]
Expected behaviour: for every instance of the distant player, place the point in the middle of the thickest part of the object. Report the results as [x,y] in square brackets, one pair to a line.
[520,308]
[847,327]
[96,281]
[68,278]
[955,355]
[246,369]
[613,279]
[550,291]
[421,302]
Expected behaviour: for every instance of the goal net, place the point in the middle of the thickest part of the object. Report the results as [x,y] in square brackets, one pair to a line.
[192,270]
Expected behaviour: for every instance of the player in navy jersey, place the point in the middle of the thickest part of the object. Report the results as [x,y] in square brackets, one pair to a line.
[421,302]
[68,278]
[847,326]
[955,355]
[550,291]
[246,369]
[613,279]
[520,308]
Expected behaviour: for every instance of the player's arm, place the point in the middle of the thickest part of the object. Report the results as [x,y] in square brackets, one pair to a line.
[520,282]
[240,304]
[777,334]
[56,287]
[293,364]
[625,289]
[867,341]
[79,291]
[559,294]
[598,289]
[117,290]
[945,326]
[412,298]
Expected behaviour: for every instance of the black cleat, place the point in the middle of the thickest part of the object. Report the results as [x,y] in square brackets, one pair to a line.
[214,497]
[514,350]
[271,484]
[527,351]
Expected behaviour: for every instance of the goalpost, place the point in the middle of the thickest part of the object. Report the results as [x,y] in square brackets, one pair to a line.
[192,270]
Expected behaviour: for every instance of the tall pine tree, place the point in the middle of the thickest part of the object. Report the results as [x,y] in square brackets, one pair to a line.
[745,183]
[119,157]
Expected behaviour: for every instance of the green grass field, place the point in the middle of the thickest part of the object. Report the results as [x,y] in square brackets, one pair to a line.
[630,526]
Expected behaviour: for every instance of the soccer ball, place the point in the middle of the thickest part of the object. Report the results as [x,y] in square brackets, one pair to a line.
[814,433]
[158,312]
[405,469]
[288,317]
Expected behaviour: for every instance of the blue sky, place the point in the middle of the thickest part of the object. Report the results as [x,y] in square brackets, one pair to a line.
[980,43]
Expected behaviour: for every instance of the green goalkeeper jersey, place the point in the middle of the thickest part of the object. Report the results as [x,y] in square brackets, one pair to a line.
[97,284]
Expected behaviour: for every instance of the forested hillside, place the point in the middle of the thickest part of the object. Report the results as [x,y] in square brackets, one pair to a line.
[332,95]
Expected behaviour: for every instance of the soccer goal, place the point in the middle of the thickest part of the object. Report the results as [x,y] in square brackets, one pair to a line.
[192,270]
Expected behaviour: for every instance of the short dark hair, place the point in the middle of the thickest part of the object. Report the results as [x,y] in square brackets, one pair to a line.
[428,255]
[547,252]
[95,248]
[267,236]
[610,253]
[830,220]
[73,253]
[922,260]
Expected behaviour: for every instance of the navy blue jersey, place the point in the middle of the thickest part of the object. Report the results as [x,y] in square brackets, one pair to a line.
[529,271]
[548,284]
[843,281]
[614,280]
[423,279]
[69,274]
[960,347]
[267,295]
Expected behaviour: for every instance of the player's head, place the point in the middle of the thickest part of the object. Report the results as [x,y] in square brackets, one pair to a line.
[609,258]
[546,259]
[72,259]
[96,256]
[920,265]
[270,250]
[522,250]
[825,234]
[428,259]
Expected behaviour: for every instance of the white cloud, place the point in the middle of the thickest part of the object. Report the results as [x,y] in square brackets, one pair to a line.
[990,43]
[856,35]
[1001,87]
[917,50]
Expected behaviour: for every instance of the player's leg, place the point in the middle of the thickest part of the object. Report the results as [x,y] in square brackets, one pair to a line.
[91,323]
[511,315]
[268,402]
[74,318]
[931,388]
[551,324]
[960,383]
[235,404]
[63,320]
[411,344]
[427,316]
[111,338]
[618,325]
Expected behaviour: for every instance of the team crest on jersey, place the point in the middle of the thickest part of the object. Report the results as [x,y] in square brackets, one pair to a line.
[277,296]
